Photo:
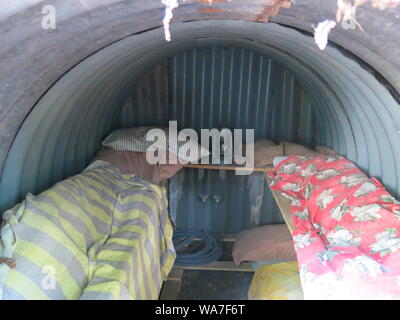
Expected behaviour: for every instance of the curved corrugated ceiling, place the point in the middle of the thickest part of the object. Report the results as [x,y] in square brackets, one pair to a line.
[355,114]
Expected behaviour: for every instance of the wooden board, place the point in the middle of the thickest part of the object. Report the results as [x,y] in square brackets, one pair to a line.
[283,205]
[172,286]
[229,237]
[170,290]
[220,266]
[175,274]
[227,167]
[226,237]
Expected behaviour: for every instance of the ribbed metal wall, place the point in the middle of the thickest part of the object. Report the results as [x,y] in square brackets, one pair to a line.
[215,87]
[239,88]
[224,87]
[149,103]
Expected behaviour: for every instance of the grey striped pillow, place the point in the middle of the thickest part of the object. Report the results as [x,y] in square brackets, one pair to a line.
[131,139]
[134,139]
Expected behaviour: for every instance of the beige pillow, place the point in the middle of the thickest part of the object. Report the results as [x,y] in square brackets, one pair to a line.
[326,151]
[271,243]
[264,157]
[262,143]
[290,148]
[265,151]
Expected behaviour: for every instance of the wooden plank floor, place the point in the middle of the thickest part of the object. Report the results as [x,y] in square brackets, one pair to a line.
[171,287]
[220,266]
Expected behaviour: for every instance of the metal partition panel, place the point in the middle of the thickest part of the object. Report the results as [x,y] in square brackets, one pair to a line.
[215,87]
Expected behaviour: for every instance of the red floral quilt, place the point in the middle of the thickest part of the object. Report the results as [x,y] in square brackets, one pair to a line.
[346,232]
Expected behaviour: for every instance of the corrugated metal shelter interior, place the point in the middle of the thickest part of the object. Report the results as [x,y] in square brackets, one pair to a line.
[216,87]
[213,74]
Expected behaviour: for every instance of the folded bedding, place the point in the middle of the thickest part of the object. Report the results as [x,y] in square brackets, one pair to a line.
[278,281]
[347,228]
[100,234]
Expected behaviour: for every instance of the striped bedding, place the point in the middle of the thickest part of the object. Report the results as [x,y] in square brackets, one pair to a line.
[98,235]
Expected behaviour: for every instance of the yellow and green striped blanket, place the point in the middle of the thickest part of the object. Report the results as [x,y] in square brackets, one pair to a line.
[98,235]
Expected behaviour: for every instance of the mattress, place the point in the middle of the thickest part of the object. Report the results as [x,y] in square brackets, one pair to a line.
[347,228]
[98,235]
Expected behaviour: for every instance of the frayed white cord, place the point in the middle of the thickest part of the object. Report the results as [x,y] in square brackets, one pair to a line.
[170,5]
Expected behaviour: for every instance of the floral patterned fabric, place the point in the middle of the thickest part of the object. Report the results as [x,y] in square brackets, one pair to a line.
[347,228]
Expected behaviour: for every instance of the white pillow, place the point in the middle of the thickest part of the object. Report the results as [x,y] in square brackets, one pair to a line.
[134,139]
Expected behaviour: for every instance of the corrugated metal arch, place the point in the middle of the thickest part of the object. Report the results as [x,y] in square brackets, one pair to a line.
[356,115]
